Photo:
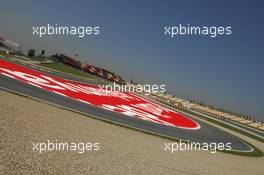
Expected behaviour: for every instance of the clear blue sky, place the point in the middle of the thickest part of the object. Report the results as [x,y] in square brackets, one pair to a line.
[225,71]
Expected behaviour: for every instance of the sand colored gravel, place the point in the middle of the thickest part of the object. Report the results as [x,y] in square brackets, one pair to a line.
[122,151]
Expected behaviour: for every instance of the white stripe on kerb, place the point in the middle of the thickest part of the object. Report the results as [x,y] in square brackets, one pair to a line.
[34,84]
[7,75]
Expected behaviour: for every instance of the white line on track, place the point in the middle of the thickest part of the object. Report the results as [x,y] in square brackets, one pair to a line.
[60,93]
[228,124]
[83,101]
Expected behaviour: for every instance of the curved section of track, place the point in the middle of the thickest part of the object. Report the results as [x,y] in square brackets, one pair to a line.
[129,110]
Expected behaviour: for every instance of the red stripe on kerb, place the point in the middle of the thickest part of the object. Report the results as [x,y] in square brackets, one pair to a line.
[125,103]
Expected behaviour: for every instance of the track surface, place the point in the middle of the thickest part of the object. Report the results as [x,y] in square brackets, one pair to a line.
[206,133]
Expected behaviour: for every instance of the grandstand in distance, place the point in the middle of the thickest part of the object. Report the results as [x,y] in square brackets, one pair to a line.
[91,69]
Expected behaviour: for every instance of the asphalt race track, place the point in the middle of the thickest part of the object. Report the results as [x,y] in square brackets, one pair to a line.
[206,132]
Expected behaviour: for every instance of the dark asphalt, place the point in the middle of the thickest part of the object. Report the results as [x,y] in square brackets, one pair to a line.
[206,133]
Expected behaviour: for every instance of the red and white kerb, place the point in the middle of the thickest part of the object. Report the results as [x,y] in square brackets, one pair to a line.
[121,102]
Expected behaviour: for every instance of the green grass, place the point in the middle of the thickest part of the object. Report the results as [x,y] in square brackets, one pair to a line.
[66,69]
[220,124]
